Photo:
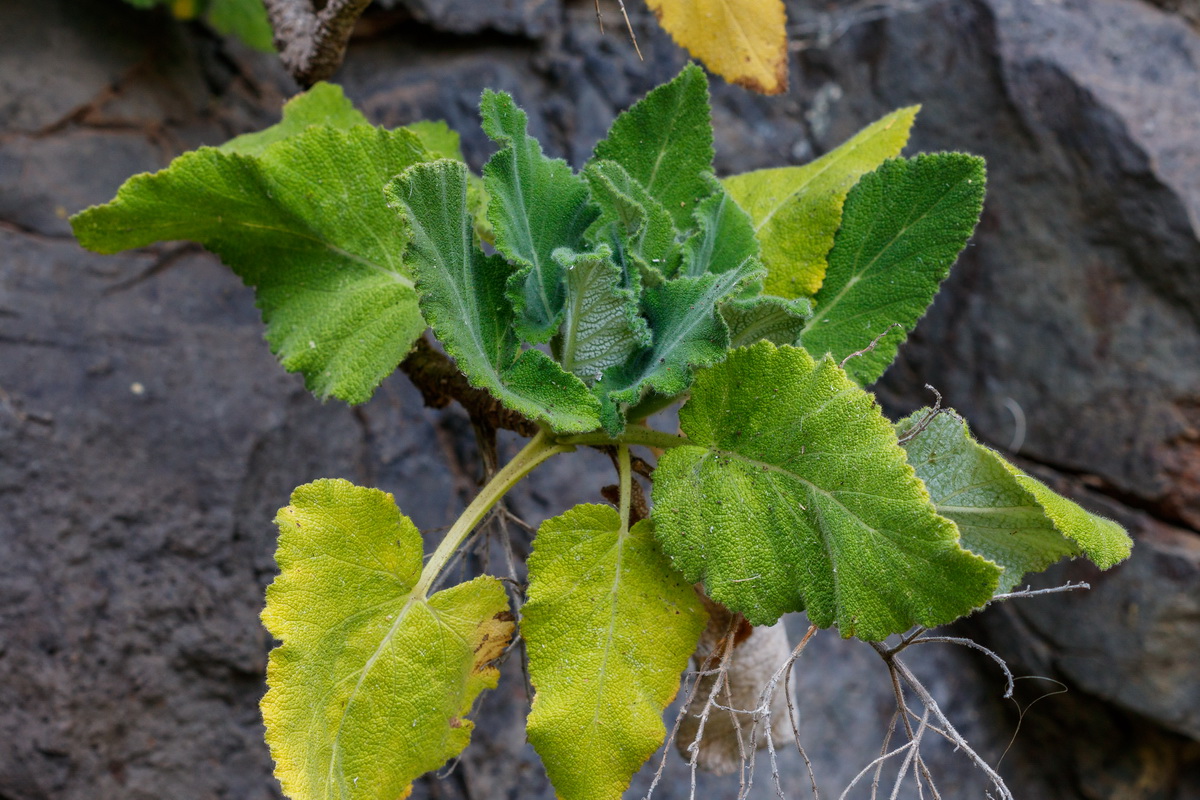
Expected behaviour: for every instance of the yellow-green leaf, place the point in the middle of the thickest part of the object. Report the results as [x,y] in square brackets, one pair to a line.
[1105,542]
[609,626]
[372,683]
[743,41]
[797,210]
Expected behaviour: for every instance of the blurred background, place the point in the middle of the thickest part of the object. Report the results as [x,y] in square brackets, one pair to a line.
[147,436]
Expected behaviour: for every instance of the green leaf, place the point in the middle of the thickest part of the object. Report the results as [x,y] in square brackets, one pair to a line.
[665,142]
[795,495]
[442,141]
[631,221]
[601,326]
[304,223]
[609,626]
[724,236]
[323,104]
[904,225]
[439,138]
[772,319]
[536,206]
[797,210]
[372,683]
[463,297]
[245,19]
[1103,541]
[1003,515]
[687,333]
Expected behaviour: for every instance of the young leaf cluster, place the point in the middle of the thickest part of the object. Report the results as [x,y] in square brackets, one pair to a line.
[585,301]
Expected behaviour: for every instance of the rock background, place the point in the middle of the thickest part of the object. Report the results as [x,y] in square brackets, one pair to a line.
[147,436]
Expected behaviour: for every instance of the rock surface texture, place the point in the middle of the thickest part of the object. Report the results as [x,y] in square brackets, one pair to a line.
[147,436]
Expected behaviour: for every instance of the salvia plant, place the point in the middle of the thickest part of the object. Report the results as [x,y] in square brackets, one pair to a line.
[582,303]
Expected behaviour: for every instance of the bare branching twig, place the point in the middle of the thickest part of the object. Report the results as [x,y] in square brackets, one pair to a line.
[1028,592]
[903,676]
[874,343]
[928,418]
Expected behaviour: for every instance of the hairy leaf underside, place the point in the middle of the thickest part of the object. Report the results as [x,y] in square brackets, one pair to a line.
[463,297]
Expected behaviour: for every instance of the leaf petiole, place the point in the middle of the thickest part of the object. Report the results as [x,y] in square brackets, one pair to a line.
[634,434]
[625,481]
[540,447]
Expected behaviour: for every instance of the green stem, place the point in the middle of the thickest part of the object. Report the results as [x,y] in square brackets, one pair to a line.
[634,434]
[625,481]
[540,447]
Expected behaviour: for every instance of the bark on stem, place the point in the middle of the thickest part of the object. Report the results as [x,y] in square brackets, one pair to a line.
[439,382]
[313,42]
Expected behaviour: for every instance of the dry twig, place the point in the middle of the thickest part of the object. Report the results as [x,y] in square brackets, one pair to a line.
[312,41]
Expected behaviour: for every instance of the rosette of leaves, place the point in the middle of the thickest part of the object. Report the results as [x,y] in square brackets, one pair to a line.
[583,302]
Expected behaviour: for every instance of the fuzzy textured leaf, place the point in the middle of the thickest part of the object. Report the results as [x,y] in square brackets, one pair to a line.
[796,210]
[795,495]
[439,139]
[687,333]
[323,104]
[766,318]
[1003,515]
[743,41]
[724,237]
[609,626]
[537,204]
[304,223]
[601,325]
[372,683]
[463,297]
[1103,541]
[903,226]
[665,142]
[631,221]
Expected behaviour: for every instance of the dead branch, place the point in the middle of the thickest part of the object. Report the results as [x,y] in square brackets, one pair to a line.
[312,41]
[440,382]
[1027,592]
[874,343]
[725,647]
[928,418]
